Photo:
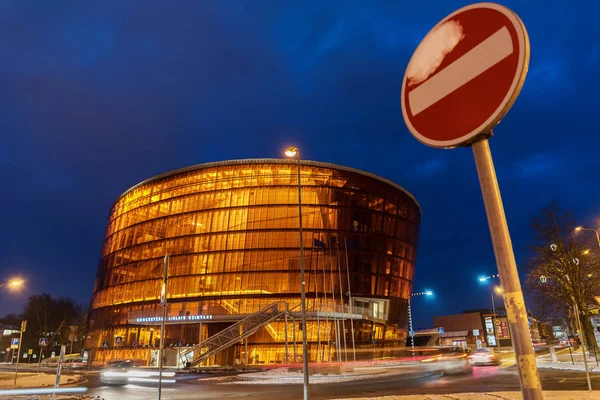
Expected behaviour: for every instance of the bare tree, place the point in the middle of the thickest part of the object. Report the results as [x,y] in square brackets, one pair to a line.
[563,271]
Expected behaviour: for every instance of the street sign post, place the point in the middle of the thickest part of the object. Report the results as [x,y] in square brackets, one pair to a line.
[42,342]
[23,328]
[61,359]
[462,79]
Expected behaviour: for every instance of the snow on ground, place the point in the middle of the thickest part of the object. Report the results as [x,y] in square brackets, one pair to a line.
[34,379]
[282,376]
[568,366]
[549,395]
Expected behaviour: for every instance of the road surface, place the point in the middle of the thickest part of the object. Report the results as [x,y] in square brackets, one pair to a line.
[483,379]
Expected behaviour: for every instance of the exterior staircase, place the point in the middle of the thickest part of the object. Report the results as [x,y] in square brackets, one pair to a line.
[233,334]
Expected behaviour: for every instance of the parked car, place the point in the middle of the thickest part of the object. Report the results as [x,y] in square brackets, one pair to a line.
[450,360]
[485,356]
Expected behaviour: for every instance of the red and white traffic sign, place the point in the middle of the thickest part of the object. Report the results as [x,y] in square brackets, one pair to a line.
[465,75]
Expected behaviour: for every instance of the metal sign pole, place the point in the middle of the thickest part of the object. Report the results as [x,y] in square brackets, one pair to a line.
[61,359]
[583,344]
[40,358]
[509,276]
[23,327]
[163,304]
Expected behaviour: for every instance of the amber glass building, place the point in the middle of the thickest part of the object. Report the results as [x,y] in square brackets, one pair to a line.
[231,229]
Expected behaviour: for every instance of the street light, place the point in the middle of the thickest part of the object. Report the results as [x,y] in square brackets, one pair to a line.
[410,324]
[292,152]
[485,278]
[596,231]
[14,283]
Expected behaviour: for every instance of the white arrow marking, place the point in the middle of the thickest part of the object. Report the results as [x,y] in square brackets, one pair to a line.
[472,64]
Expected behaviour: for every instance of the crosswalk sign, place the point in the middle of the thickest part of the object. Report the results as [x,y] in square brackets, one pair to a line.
[105,345]
[43,341]
[14,343]
[119,339]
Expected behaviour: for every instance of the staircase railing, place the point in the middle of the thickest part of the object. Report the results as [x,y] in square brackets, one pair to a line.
[234,333]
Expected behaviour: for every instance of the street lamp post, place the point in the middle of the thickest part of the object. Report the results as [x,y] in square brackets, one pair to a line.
[294,152]
[498,290]
[411,332]
[596,231]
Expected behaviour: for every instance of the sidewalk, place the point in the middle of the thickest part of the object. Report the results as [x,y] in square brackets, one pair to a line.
[566,363]
[548,395]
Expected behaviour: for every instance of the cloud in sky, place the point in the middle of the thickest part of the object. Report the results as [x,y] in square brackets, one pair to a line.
[537,165]
[430,168]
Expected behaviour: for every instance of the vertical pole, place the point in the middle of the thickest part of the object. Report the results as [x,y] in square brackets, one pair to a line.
[23,324]
[302,287]
[163,304]
[571,354]
[335,321]
[342,319]
[327,326]
[318,310]
[40,358]
[583,345]
[61,359]
[507,269]
[287,356]
[350,300]
[494,321]
[410,328]
[294,339]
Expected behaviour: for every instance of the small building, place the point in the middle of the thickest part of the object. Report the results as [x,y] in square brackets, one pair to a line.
[482,328]
[464,329]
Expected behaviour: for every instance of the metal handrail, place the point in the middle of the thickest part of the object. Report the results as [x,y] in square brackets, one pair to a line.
[232,334]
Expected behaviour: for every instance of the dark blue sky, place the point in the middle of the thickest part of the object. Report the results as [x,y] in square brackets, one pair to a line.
[97,96]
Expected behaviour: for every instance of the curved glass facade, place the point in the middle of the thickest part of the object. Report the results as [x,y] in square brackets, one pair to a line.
[231,229]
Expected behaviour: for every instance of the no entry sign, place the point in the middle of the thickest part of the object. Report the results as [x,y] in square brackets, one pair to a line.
[465,75]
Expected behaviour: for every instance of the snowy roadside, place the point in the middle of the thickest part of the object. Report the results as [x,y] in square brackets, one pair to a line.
[34,379]
[282,376]
[568,366]
[549,395]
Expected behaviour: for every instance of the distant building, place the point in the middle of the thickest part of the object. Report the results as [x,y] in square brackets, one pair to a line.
[560,329]
[481,328]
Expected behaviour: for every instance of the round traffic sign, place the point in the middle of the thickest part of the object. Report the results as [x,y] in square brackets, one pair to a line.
[465,74]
